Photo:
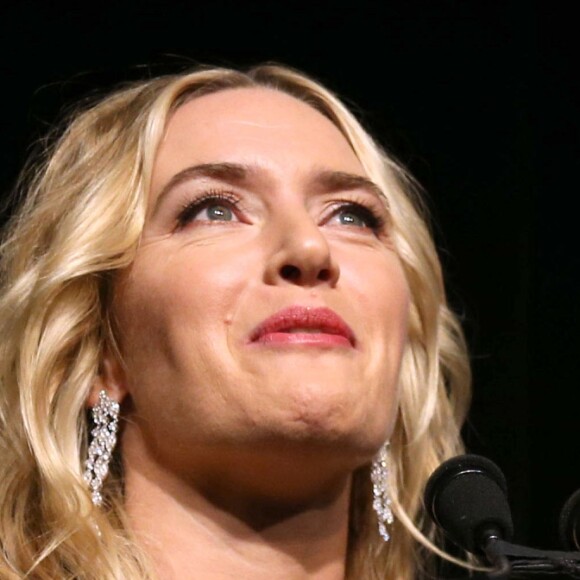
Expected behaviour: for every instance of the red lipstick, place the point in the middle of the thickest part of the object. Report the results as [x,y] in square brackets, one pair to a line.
[303,325]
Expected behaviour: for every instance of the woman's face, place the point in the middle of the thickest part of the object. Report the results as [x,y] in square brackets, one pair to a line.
[266,306]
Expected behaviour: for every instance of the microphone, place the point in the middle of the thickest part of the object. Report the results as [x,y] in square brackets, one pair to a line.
[467,497]
[570,522]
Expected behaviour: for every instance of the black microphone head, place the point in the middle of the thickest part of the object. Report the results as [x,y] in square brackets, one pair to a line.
[467,497]
[570,522]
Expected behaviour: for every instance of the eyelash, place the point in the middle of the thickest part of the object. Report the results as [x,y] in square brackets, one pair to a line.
[192,208]
[375,221]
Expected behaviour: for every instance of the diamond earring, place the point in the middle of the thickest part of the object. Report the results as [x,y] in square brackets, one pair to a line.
[381,499]
[104,437]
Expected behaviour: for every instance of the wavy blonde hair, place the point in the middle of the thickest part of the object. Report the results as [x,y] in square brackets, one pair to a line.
[80,222]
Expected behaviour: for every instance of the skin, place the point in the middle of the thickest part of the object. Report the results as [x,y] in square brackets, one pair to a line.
[238,456]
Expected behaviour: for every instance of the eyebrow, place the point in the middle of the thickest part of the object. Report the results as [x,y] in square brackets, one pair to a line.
[231,172]
[328,181]
[239,174]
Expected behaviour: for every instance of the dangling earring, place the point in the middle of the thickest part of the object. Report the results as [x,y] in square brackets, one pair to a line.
[381,499]
[104,437]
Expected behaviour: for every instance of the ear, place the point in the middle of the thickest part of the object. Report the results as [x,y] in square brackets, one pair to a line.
[111,378]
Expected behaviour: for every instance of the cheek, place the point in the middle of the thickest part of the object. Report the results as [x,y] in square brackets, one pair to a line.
[378,287]
[379,284]
[174,313]
[171,310]
[393,298]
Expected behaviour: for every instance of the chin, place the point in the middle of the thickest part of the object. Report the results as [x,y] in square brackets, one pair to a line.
[340,428]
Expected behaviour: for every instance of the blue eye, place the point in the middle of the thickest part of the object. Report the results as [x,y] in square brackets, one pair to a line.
[358,216]
[217,212]
[212,207]
[350,218]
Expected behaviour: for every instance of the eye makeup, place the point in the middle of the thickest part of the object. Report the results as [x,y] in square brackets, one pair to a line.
[213,197]
[351,212]
[359,213]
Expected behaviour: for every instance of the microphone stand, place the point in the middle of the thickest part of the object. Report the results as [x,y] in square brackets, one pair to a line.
[512,560]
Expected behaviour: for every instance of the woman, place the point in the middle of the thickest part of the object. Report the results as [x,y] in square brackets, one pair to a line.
[232,261]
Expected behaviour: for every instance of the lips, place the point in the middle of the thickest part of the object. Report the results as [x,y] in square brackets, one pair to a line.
[305,326]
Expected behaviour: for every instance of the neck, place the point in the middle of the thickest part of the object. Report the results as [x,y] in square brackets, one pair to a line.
[195,528]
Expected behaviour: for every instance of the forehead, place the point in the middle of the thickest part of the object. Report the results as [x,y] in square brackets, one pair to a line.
[253,126]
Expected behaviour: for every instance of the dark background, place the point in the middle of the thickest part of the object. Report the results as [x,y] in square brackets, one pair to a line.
[478,99]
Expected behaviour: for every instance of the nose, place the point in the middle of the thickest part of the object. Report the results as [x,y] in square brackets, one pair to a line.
[302,255]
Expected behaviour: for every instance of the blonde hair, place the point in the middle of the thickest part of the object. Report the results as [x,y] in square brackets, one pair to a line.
[80,222]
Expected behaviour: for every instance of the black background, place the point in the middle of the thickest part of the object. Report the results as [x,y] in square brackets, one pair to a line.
[478,99]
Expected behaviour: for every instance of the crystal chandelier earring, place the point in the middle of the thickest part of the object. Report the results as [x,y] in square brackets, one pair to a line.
[104,436]
[381,499]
